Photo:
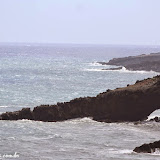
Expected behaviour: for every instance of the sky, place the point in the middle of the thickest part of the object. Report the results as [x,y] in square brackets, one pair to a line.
[134,22]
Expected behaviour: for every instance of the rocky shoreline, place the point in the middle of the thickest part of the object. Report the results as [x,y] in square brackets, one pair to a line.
[132,103]
[150,62]
[129,104]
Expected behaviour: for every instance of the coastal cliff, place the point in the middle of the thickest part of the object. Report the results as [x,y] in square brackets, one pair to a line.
[131,103]
[150,62]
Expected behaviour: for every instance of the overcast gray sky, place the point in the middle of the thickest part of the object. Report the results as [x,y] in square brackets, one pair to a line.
[80,21]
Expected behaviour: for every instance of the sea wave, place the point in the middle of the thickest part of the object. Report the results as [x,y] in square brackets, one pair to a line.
[124,151]
[95,64]
[129,71]
[4,106]
[81,120]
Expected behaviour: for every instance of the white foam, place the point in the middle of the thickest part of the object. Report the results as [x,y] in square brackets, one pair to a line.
[156,113]
[157,152]
[11,138]
[17,75]
[4,106]
[80,120]
[26,120]
[129,71]
[124,151]
[95,64]
[123,70]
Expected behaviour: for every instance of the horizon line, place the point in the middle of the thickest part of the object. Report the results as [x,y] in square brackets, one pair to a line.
[71,43]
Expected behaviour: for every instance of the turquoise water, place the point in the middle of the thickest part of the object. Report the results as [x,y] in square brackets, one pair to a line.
[34,74]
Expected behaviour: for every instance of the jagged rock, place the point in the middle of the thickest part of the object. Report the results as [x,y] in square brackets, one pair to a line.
[25,113]
[132,103]
[148,148]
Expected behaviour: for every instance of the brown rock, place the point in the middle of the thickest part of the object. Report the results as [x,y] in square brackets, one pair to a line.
[133,103]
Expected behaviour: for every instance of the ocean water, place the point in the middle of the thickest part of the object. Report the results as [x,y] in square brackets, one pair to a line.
[34,74]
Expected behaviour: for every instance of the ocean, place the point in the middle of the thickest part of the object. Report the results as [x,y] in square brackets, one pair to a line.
[35,74]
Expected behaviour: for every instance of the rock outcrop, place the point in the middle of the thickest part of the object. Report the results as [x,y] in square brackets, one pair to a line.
[132,103]
[148,148]
[150,62]
[25,113]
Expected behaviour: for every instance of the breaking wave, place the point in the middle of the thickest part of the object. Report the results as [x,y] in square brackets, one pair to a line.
[4,106]
[154,114]
[123,70]
[80,120]
[95,64]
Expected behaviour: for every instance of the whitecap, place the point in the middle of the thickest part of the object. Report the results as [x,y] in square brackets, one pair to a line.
[11,138]
[95,64]
[129,71]
[81,120]
[17,75]
[26,120]
[4,106]
[124,151]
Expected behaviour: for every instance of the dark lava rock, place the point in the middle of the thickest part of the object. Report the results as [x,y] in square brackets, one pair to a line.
[133,103]
[25,113]
[142,62]
[148,148]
